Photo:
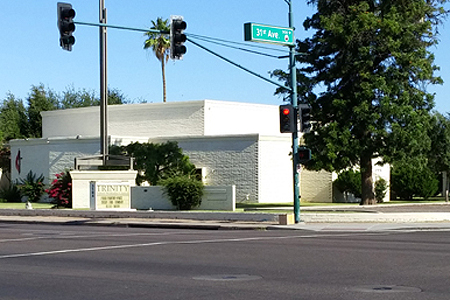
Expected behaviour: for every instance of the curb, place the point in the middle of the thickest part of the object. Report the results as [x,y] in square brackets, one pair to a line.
[171,215]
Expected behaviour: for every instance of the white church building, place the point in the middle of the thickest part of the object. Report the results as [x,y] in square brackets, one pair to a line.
[232,143]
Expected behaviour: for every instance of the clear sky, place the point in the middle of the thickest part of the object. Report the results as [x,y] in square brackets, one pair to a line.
[30,52]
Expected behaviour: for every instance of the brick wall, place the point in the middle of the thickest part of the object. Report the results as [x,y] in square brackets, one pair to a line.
[316,186]
[206,117]
[227,160]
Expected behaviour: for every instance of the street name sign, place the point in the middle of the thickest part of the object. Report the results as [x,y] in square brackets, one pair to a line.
[254,32]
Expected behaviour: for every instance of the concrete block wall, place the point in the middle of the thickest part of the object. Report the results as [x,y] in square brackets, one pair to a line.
[188,118]
[227,160]
[316,186]
[143,120]
[153,197]
[50,156]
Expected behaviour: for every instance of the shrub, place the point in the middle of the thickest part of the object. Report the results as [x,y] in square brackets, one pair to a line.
[381,187]
[349,182]
[32,186]
[409,180]
[185,192]
[60,190]
[11,194]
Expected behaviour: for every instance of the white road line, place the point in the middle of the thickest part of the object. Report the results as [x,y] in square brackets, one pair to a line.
[231,240]
[84,236]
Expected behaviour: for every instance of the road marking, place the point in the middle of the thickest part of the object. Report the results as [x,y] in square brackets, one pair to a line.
[84,236]
[192,242]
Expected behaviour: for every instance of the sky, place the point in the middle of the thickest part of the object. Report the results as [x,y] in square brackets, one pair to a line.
[30,53]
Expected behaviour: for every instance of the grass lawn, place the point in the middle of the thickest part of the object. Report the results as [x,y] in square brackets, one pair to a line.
[21,205]
[287,204]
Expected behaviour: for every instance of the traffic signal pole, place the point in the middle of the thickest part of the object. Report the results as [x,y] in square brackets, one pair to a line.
[294,103]
[103,85]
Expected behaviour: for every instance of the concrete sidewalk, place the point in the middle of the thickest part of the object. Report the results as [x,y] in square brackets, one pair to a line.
[317,219]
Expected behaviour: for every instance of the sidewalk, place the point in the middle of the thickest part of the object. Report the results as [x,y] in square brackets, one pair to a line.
[352,218]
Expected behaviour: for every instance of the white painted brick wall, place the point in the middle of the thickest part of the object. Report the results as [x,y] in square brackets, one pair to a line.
[49,157]
[206,117]
[153,197]
[230,160]
[143,120]
[316,186]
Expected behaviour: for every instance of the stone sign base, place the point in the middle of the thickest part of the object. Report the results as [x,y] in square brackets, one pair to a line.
[102,190]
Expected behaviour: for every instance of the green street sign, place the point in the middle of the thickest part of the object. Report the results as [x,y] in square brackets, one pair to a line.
[268,34]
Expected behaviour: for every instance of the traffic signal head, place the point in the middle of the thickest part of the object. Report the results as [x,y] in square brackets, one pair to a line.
[304,155]
[177,37]
[66,25]
[305,118]
[288,122]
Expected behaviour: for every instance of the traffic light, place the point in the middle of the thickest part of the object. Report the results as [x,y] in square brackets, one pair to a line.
[304,155]
[66,25]
[305,118]
[177,37]
[288,121]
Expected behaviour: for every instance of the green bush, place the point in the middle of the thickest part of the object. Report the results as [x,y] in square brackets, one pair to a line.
[11,193]
[32,186]
[381,187]
[409,179]
[349,182]
[185,192]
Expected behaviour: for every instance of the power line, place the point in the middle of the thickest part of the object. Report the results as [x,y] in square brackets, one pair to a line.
[226,43]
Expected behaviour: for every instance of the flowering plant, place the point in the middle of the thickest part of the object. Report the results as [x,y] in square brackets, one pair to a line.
[61,190]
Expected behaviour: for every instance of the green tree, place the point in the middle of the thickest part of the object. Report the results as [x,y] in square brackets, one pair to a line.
[371,65]
[439,133]
[39,99]
[115,96]
[412,177]
[13,119]
[156,162]
[160,45]
[72,98]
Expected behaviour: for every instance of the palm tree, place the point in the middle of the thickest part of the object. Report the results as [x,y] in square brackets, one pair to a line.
[160,44]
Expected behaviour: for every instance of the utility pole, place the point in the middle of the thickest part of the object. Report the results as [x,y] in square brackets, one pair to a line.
[294,103]
[103,84]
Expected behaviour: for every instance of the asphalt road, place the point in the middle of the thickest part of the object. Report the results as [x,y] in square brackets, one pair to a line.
[389,208]
[82,262]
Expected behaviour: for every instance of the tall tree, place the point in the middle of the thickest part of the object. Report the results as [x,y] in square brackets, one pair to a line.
[370,65]
[72,98]
[160,45]
[439,133]
[13,119]
[439,155]
[39,99]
